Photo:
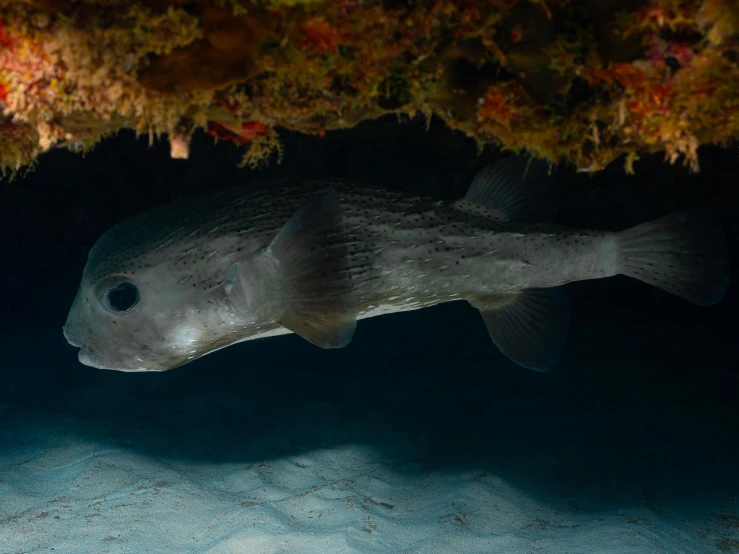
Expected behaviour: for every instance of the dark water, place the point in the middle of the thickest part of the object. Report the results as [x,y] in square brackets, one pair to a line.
[641,412]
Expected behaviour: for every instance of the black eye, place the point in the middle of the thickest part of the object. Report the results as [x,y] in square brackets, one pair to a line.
[120,299]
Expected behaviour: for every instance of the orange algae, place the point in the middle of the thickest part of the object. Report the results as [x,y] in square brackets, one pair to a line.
[577,80]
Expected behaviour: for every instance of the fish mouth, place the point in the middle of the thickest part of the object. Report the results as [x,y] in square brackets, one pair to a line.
[85,357]
[71,338]
[85,354]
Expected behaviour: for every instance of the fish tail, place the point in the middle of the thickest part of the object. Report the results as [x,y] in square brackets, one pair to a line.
[684,253]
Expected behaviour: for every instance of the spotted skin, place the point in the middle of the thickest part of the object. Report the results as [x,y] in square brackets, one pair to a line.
[400,253]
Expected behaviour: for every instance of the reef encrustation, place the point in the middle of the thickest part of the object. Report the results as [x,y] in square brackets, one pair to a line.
[584,81]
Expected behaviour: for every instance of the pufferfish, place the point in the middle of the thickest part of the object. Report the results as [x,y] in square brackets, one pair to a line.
[183,280]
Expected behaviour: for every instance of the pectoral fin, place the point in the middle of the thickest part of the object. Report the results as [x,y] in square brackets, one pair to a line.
[320,305]
[531,327]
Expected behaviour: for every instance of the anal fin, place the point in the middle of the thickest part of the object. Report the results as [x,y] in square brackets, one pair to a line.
[530,327]
[319,303]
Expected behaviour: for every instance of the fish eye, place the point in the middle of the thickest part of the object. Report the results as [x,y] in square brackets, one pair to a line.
[120,299]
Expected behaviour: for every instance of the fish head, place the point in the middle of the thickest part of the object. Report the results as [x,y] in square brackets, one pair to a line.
[141,322]
[173,284]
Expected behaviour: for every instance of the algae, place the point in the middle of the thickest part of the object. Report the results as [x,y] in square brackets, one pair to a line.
[567,80]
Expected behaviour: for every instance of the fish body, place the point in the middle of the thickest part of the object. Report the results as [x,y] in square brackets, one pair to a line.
[177,282]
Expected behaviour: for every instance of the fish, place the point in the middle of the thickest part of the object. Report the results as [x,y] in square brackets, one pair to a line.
[179,281]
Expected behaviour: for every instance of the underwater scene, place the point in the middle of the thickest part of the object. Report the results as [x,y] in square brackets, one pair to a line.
[309,277]
[418,436]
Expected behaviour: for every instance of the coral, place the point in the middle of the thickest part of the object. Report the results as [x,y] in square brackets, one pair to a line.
[228,52]
[579,80]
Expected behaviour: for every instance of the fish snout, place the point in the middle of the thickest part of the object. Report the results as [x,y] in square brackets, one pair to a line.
[88,357]
[86,354]
[71,335]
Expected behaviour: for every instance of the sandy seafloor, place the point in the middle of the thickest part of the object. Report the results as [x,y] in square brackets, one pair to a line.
[419,437]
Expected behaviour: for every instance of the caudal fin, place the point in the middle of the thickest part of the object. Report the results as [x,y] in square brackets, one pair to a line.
[684,253]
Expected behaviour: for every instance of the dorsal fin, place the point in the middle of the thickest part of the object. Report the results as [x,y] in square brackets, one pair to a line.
[516,188]
[320,305]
